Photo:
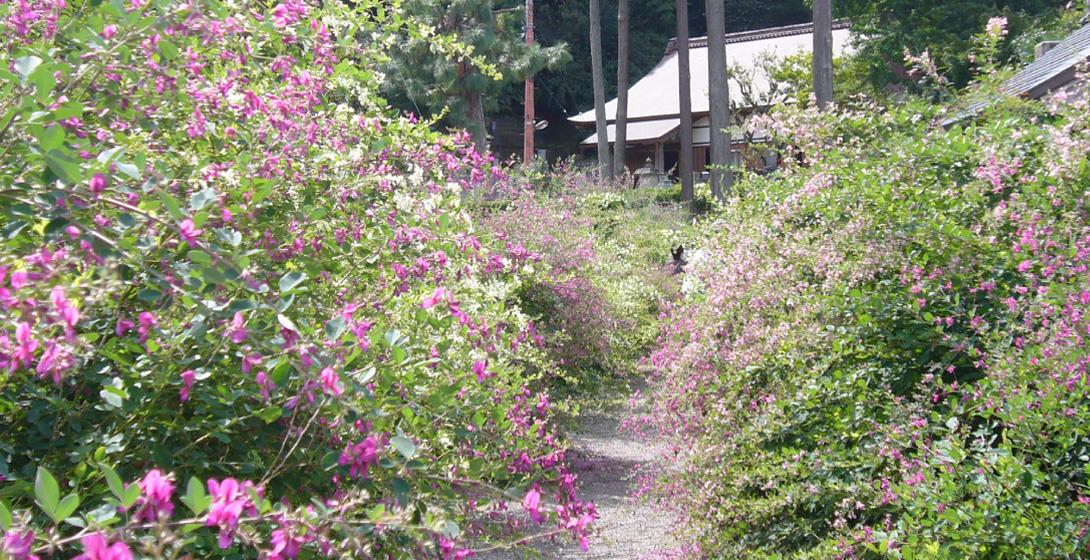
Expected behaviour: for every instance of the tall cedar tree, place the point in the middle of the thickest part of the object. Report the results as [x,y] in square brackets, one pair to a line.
[622,88]
[718,99]
[605,164]
[685,156]
[823,53]
[426,80]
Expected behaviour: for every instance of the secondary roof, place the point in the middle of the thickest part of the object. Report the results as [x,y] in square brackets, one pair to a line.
[1052,71]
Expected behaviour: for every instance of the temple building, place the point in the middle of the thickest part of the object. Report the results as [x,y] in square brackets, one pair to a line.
[654,109]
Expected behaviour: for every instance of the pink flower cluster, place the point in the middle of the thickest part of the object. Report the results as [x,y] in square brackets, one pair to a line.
[230,500]
[359,456]
[97,547]
[156,491]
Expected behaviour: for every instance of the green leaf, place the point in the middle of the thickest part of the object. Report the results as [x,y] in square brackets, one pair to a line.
[195,499]
[172,206]
[66,508]
[47,493]
[280,373]
[334,328]
[102,514]
[12,230]
[365,376]
[51,138]
[401,491]
[451,529]
[289,281]
[168,50]
[5,517]
[201,199]
[199,257]
[271,414]
[44,82]
[107,155]
[63,166]
[393,337]
[128,169]
[229,236]
[117,488]
[404,446]
[286,322]
[284,303]
[68,110]
[132,493]
[56,225]
[25,65]
[114,397]
[330,460]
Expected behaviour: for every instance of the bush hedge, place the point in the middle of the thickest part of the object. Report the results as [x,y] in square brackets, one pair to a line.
[244,312]
[881,352]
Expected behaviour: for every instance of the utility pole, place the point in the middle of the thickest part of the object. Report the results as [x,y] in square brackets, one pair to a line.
[528,110]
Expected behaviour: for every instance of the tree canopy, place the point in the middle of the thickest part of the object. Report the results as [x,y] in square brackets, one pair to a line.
[943,28]
[426,80]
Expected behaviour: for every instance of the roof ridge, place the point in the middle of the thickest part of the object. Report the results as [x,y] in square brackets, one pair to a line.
[757,34]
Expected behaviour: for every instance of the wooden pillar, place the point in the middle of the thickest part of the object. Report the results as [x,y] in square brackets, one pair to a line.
[660,157]
[700,159]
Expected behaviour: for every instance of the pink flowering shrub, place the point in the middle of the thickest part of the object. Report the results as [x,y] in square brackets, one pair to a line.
[233,280]
[590,264]
[882,351]
[547,239]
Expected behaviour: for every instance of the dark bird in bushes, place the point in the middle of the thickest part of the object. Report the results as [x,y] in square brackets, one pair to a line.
[679,260]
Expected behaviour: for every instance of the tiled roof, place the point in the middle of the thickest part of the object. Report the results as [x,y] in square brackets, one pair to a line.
[1035,80]
[757,35]
[655,95]
[1051,71]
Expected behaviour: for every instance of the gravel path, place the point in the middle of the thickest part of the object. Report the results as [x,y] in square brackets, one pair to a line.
[604,457]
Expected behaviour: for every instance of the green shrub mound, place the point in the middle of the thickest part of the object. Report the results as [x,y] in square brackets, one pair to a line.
[882,351]
[243,312]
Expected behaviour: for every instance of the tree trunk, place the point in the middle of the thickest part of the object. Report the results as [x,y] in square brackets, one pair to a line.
[685,156]
[605,164]
[478,129]
[622,89]
[823,53]
[474,109]
[719,99]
